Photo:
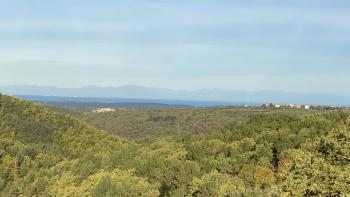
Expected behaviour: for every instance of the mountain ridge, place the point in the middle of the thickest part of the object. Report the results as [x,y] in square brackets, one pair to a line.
[219,95]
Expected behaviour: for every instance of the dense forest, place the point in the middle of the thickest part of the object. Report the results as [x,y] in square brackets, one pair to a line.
[46,153]
[141,123]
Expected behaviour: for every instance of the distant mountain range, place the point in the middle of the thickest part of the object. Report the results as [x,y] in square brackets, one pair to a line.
[203,97]
[98,102]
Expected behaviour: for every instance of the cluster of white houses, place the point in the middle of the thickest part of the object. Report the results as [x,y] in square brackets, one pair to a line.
[103,110]
[292,106]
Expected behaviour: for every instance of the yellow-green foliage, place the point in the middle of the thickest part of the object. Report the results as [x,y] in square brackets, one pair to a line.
[103,183]
[216,184]
[145,123]
[321,167]
[272,154]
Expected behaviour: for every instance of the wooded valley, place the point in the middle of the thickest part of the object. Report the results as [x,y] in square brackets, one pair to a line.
[173,152]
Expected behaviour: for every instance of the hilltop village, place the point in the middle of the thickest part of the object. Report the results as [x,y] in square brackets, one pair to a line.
[291,106]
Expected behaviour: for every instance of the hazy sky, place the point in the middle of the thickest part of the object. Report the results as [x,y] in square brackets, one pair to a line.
[291,45]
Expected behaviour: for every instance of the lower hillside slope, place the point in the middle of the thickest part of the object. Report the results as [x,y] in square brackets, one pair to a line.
[49,154]
[31,122]
[43,153]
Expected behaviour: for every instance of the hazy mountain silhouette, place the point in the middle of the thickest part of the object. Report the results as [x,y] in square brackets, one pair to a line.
[150,93]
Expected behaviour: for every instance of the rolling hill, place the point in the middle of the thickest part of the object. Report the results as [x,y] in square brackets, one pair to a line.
[44,153]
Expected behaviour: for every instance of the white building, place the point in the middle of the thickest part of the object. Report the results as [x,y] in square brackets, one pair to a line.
[103,110]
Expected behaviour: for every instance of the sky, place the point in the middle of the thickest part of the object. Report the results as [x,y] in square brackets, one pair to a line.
[290,45]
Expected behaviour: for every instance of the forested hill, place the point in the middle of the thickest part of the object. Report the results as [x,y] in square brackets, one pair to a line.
[43,153]
[32,122]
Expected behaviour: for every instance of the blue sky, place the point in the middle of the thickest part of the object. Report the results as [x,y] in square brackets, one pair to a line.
[294,45]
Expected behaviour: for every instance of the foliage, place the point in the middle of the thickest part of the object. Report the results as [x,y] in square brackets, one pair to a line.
[287,153]
[143,123]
